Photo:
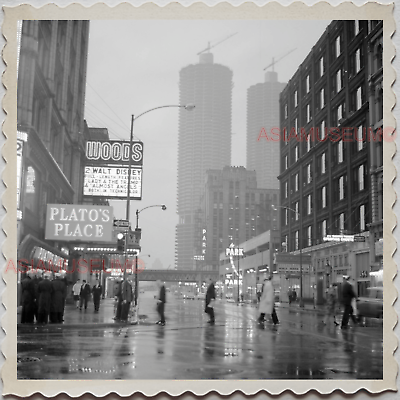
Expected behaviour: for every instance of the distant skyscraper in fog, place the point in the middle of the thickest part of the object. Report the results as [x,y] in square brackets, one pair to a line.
[262,116]
[204,143]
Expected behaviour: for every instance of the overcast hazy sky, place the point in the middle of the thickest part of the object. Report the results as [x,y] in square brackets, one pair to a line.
[134,66]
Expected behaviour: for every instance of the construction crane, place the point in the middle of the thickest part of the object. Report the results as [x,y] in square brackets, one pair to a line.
[208,48]
[274,62]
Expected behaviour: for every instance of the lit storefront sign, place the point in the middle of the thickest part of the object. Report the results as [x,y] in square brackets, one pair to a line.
[75,222]
[46,260]
[204,242]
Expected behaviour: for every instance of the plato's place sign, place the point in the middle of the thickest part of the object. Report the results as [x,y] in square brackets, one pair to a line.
[77,222]
[112,182]
[113,152]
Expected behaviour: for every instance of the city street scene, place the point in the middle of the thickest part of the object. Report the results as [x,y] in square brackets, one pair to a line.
[202,200]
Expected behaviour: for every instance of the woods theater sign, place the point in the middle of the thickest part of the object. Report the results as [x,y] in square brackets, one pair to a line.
[76,222]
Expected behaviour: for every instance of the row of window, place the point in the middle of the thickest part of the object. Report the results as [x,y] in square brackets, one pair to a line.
[360,221]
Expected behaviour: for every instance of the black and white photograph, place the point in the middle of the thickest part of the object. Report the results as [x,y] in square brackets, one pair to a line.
[202,199]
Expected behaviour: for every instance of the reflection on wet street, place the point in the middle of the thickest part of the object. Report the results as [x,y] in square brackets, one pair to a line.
[236,347]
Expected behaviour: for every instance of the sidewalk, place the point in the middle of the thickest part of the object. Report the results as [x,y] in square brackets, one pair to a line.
[74,318]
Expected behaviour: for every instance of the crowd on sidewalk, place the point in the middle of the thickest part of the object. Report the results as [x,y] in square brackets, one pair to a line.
[43,300]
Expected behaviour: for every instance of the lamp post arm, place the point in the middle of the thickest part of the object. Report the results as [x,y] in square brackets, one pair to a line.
[188,106]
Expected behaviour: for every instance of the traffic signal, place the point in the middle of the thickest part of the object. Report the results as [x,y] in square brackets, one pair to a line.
[121,242]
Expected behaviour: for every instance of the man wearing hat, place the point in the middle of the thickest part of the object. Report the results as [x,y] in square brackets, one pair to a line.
[347,296]
[58,296]
[45,290]
[28,299]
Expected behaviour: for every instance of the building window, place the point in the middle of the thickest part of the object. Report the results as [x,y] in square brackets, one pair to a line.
[341,222]
[323,196]
[286,216]
[307,83]
[339,112]
[296,126]
[341,188]
[308,110]
[309,204]
[296,208]
[323,163]
[308,142]
[296,153]
[286,112]
[340,151]
[356,27]
[337,46]
[286,189]
[32,189]
[295,98]
[362,218]
[296,182]
[360,138]
[361,177]
[322,98]
[309,177]
[358,98]
[296,240]
[323,132]
[358,60]
[338,81]
[323,228]
[321,66]
[286,162]
[309,237]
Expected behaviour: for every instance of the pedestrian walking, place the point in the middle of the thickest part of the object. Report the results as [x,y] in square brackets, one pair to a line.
[127,297]
[210,298]
[96,290]
[267,303]
[28,299]
[161,300]
[84,295]
[45,289]
[347,296]
[58,295]
[331,305]
[118,299]
[76,290]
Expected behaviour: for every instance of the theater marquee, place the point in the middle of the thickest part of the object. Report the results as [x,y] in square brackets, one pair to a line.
[107,169]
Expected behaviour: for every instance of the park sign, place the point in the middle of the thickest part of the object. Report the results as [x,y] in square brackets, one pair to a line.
[79,223]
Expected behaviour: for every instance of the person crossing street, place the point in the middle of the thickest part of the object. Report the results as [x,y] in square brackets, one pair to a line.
[210,298]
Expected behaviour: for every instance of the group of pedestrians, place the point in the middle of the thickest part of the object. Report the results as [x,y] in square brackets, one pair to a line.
[43,298]
[82,292]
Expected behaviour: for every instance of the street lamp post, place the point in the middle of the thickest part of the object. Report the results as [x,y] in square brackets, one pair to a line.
[163,207]
[301,303]
[188,107]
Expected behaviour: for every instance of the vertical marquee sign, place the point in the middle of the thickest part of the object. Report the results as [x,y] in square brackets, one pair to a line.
[106,169]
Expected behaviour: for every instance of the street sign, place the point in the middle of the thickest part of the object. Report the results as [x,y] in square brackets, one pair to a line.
[284,258]
[121,223]
[359,238]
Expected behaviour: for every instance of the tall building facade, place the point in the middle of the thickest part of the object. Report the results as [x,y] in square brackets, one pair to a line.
[262,117]
[234,211]
[204,143]
[50,126]
[332,152]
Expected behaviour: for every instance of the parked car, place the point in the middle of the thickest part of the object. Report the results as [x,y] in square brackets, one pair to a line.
[201,296]
[371,306]
[188,296]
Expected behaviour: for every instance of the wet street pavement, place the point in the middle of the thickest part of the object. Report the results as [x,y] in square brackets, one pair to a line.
[91,346]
